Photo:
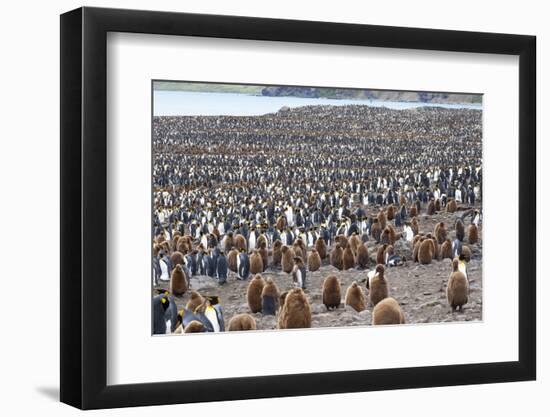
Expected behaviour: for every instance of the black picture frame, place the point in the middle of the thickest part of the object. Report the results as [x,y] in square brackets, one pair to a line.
[84,207]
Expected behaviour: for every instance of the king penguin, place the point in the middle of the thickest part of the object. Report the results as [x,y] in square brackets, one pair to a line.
[211,315]
[221,268]
[165,314]
[243,265]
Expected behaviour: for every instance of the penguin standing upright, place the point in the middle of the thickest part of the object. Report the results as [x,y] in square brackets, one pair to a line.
[382,219]
[440,232]
[426,251]
[221,268]
[473,234]
[431,207]
[270,298]
[264,254]
[227,242]
[254,293]
[211,315]
[287,262]
[375,230]
[202,263]
[348,259]
[446,250]
[321,247]
[337,257]
[252,240]
[354,243]
[240,242]
[377,285]
[380,254]
[256,262]
[413,210]
[277,253]
[165,268]
[243,265]
[232,259]
[212,262]
[204,240]
[179,280]
[403,212]
[362,256]
[398,220]
[299,272]
[314,260]
[408,233]
[165,314]
[459,229]
[331,292]
[355,297]
[451,205]
[191,263]
[295,311]
[414,226]
[457,287]
[390,212]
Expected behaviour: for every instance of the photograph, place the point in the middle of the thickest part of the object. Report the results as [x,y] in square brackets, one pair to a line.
[289,207]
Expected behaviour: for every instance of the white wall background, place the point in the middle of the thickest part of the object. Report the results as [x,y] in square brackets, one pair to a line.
[29,172]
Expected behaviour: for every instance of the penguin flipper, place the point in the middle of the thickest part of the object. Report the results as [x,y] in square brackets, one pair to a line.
[219,314]
[204,320]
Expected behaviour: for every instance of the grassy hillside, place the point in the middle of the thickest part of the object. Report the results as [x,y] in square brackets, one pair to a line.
[208,87]
[318,92]
[383,95]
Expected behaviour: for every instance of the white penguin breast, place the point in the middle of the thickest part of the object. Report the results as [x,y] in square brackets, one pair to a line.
[299,278]
[252,241]
[211,315]
[164,271]
[408,233]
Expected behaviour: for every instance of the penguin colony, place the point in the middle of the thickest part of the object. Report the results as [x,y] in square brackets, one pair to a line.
[285,225]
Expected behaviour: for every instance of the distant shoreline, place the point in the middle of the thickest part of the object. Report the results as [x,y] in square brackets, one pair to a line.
[324,92]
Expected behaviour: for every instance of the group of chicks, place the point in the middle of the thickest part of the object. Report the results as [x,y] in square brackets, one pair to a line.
[292,307]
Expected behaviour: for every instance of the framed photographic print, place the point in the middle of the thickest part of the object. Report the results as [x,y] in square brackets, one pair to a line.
[257,208]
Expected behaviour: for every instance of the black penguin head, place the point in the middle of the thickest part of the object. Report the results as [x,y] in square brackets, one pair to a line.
[165,302]
[213,299]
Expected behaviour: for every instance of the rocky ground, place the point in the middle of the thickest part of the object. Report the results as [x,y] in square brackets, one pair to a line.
[419,289]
